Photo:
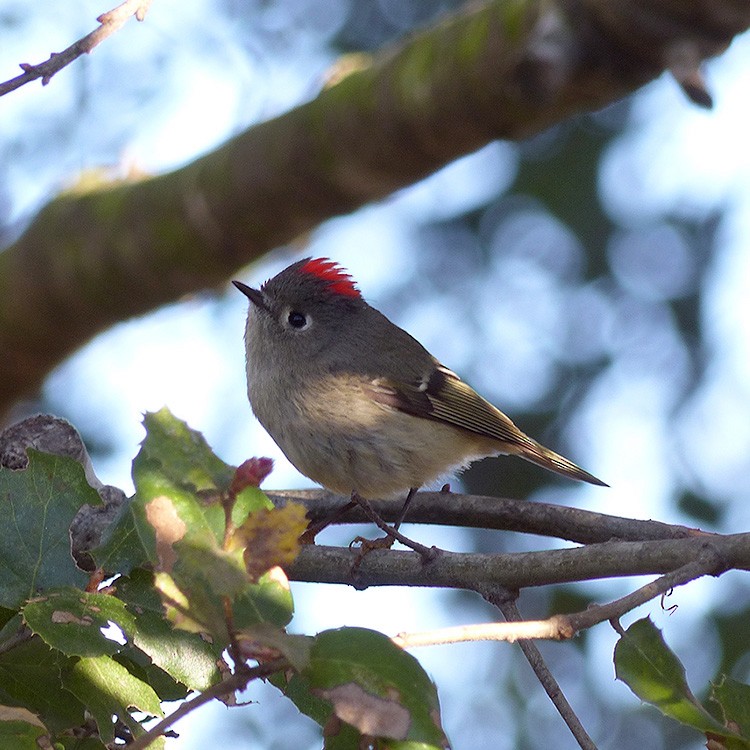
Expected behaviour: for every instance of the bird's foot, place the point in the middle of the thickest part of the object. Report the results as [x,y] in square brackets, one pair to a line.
[392,535]
[365,546]
[386,542]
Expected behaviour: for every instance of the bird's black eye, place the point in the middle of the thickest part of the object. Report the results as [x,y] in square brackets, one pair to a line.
[297,319]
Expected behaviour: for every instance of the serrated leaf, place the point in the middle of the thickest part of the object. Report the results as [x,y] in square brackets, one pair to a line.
[39,503]
[733,698]
[71,621]
[185,657]
[175,463]
[30,677]
[645,663]
[376,687]
[22,730]
[184,454]
[107,689]
[205,576]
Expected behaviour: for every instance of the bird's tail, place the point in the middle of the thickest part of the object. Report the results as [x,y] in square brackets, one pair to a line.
[548,459]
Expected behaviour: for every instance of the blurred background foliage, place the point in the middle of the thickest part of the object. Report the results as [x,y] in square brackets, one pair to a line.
[591,281]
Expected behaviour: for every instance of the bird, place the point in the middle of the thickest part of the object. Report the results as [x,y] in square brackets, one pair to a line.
[355,402]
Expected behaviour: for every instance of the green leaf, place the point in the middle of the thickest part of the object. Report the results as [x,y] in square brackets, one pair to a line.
[140,666]
[297,688]
[107,689]
[268,601]
[20,729]
[342,737]
[184,454]
[79,743]
[295,648]
[174,462]
[39,503]
[376,687]
[645,663]
[174,457]
[30,677]
[121,548]
[71,621]
[204,576]
[185,656]
[733,698]
[177,521]
[6,615]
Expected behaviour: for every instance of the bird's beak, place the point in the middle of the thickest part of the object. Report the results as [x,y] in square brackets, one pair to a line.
[254,295]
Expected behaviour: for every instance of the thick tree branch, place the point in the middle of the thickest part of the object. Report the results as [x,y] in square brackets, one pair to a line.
[498,70]
[108,23]
[484,512]
[515,570]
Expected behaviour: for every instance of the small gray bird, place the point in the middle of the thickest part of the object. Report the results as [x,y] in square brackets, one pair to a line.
[354,401]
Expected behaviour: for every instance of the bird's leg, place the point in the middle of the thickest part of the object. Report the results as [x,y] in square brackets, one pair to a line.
[402,514]
[308,536]
[392,535]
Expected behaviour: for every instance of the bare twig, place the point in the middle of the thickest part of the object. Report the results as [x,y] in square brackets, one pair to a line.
[109,22]
[484,631]
[709,562]
[562,627]
[505,601]
[236,681]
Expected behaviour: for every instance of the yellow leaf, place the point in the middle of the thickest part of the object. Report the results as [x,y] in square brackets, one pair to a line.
[271,537]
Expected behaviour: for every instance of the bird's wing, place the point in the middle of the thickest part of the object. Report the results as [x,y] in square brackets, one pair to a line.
[441,395]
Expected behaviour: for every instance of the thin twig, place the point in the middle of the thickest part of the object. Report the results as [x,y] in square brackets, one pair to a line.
[562,627]
[109,22]
[710,562]
[236,681]
[505,602]
[485,631]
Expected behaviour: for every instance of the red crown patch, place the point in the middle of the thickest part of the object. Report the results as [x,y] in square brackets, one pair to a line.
[337,278]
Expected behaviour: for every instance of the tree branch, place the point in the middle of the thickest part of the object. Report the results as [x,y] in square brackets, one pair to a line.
[563,627]
[710,562]
[514,570]
[506,603]
[496,70]
[236,681]
[484,512]
[109,22]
